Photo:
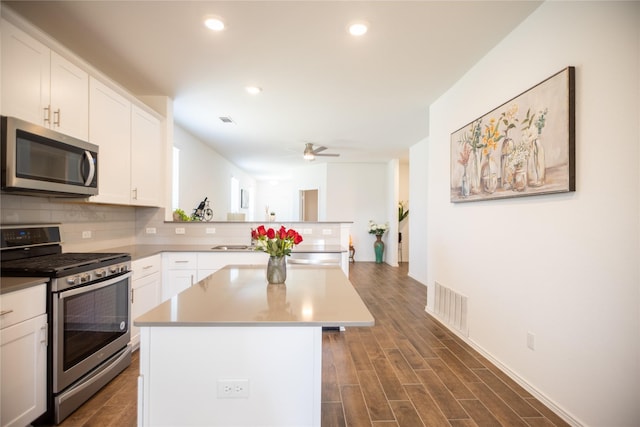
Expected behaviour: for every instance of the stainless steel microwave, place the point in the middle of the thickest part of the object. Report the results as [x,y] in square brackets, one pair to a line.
[37,160]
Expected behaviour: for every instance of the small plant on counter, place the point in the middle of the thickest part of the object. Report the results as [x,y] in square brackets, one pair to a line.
[276,243]
[180,215]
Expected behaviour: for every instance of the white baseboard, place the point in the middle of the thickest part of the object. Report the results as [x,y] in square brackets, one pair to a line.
[511,374]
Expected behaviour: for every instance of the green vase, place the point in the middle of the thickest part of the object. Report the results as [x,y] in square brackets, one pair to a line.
[378,248]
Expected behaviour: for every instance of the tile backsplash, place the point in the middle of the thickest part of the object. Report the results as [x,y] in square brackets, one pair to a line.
[83,226]
[89,226]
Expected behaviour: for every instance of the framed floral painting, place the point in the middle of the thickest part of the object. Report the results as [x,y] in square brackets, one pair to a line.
[524,147]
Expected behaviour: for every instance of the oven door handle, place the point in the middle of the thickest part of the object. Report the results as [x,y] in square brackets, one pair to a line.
[83,289]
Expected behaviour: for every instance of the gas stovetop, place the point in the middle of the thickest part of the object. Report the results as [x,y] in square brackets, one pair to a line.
[56,265]
[36,250]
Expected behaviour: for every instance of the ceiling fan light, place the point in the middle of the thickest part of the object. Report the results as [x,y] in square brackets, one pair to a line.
[358,28]
[214,23]
[253,90]
[308,156]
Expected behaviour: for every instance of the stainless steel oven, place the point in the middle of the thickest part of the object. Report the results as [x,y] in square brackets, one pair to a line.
[88,312]
[90,323]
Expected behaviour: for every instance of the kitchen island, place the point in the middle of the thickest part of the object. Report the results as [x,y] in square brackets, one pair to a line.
[234,351]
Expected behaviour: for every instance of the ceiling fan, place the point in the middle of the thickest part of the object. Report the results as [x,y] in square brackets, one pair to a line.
[310,153]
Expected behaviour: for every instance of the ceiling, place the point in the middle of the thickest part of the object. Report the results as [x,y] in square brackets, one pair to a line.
[365,97]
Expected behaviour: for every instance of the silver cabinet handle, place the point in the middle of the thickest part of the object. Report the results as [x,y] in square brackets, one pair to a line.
[56,122]
[47,114]
[44,331]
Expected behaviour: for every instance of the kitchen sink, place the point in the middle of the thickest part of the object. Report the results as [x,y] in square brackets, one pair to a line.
[231,247]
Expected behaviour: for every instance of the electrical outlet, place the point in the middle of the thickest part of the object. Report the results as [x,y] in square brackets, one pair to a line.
[210,230]
[150,230]
[531,341]
[306,231]
[179,230]
[326,231]
[233,389]
[86,234]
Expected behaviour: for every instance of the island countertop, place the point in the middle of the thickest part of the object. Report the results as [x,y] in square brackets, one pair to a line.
[240,296]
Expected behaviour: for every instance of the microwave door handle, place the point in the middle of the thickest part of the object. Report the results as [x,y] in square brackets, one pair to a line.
[92,168]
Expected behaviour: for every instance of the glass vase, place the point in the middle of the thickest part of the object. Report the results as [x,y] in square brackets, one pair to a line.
[520,179]
[536,165]
[465,188]
[506,172]
[277,270]
[489,175]
[474,172]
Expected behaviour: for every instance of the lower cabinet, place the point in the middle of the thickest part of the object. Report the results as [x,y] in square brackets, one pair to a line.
[146,290]
[23,356]
[179,271]
[183,269]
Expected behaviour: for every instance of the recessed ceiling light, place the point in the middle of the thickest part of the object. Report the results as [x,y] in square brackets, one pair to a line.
[214,23]
[253,90]
[358,28]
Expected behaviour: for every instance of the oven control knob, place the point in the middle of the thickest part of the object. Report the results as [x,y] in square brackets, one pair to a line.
[101,273]
[85,278]
[72,280]
[123,268]
[113,269]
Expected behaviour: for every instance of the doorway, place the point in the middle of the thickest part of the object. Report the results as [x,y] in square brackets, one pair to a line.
[309,205]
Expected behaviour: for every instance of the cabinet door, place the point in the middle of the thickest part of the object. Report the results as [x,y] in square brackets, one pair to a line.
[176,281]
[146,159]
[110,129]
[23,372]
[69,98]
[25,73]
[145,295]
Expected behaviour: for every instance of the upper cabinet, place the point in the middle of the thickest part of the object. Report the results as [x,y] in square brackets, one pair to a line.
[40,86]
[147,165]
[110,130]
[130,149]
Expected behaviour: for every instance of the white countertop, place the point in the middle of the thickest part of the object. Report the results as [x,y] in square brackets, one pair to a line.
[143,251]
[10,284]
[240,296]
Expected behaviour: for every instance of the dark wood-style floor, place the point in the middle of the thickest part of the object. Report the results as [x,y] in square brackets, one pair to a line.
[407,370]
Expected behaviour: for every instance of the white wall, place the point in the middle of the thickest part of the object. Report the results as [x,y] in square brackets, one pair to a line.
[359,193]
[280,197]
[418,177]
[563,267]
[403,195]
[204,173]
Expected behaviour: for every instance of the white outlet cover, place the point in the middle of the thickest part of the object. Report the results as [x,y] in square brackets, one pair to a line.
[150,230]
[86,234]
[210,230]
[180,230]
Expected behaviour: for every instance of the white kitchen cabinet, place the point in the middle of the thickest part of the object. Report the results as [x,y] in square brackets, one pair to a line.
[210,262]
[183,269]
[110,130]
[146,289]
[179,271]
[23,356]
[147,163]
[40,86]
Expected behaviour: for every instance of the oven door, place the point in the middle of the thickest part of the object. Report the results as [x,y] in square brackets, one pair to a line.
[90,324]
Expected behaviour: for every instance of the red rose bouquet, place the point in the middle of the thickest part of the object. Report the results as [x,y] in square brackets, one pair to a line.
[275,242]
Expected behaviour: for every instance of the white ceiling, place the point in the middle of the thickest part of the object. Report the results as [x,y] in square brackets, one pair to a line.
[366,98]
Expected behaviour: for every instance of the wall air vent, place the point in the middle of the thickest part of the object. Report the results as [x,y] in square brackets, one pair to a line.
[226,119]
[451,307]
